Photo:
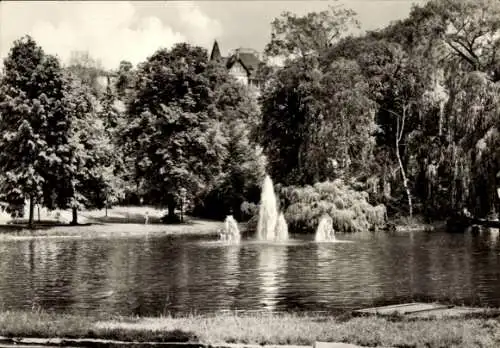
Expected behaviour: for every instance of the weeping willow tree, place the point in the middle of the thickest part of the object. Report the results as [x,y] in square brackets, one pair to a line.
[347,205]
[476,123]
[414,104]
[460,158]
[472,111]
[452,154]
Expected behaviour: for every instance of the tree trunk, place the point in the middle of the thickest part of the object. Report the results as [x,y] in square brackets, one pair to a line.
[182,207]
[38,207]
[498,201]
[405,180]
[32,211]
[441,113]
[399,136]
[171,205]
[74,221]
[106,204]
[182,212]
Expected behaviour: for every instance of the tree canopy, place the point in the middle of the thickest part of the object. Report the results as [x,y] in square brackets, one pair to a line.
[33,122]
[408,113]
[425,89]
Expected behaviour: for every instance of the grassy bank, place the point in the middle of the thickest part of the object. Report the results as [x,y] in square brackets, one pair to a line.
[119,222]
[118,214]
[113,230]
[469,332]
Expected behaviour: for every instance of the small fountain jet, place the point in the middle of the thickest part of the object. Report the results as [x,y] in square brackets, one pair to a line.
[325,231]
[230,232]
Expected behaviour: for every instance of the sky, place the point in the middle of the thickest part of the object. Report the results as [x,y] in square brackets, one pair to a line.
[112,31]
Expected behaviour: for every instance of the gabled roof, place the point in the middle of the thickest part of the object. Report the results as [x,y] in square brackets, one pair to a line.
[215,51]
[248,60]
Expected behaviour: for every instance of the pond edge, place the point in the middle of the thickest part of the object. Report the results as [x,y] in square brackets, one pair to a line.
[95,342]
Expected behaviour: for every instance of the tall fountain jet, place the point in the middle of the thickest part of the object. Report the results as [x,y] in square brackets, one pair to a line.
[325,231]
[271,226]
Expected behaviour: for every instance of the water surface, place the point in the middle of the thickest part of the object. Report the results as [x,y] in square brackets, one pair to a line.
[161,275]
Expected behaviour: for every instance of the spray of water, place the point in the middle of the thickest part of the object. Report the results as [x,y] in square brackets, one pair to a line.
[325,231]
[272,225]
[281,228]
[230,232]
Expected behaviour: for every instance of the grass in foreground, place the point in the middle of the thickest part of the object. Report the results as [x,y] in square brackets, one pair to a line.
[479,331]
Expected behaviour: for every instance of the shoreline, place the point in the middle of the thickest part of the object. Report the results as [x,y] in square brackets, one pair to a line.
[120,222]
[194,227]
[129,221]
[257,329]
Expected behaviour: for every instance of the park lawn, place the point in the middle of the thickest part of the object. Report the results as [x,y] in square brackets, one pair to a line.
[261,328]
[118,214]
[121,221]
[116,230]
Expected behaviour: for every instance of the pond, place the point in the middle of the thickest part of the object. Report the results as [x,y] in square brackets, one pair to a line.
[179,275]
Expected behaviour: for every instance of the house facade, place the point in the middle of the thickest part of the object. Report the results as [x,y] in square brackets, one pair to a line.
[242,63]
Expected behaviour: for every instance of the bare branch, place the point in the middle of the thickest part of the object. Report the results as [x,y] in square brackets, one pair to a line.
[461,54]
[400,135]
[397,132]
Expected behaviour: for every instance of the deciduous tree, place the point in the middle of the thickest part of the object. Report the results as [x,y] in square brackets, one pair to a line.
[89,167]
[299,36]
[33,123]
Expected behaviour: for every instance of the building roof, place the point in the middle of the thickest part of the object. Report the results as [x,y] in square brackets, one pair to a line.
[249,59]
[215,52]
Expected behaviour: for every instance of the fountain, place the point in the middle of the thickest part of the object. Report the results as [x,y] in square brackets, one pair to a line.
[325,231]
[271,226]
[230,232]
[281,228]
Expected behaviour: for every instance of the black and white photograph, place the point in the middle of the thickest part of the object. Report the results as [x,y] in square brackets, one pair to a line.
[250,174]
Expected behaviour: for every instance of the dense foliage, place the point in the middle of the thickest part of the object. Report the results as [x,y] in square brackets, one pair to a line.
[348,208]
[410,113]
[188,131]
[34,126]
[412,110]
[56,150]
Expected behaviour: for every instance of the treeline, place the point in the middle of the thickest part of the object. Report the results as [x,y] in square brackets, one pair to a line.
[174,132]
[409,115]
[411,112]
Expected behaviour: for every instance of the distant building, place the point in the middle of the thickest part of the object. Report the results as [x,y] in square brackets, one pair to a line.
[242,63]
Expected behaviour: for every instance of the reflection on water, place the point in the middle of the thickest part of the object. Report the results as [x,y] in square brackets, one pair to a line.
[232,265]
[153,276]
[272,267]
[493,233]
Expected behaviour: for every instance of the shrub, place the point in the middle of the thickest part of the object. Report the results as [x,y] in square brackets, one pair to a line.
[249,210]
[343,219]
[339,203]
[348,207]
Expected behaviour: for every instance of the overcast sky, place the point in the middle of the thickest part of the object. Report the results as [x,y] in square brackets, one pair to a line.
[132,30]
